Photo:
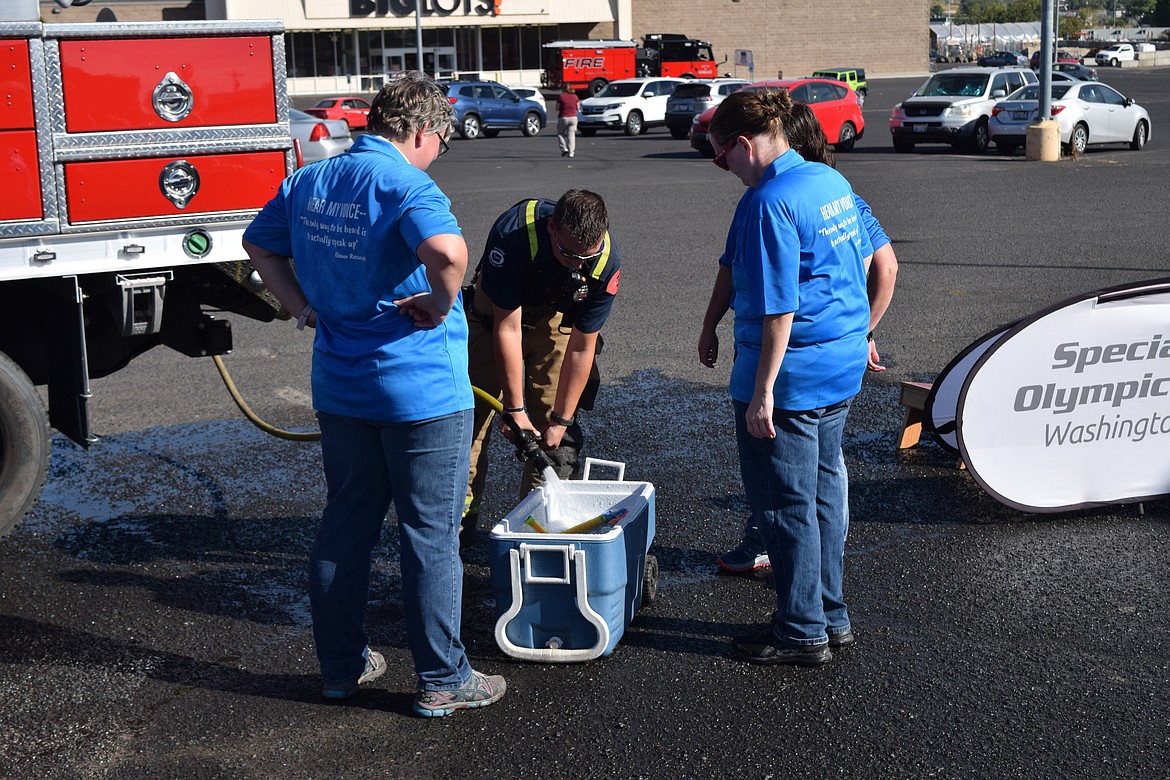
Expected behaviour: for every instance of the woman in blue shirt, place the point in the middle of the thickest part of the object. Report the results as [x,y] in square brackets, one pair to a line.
[794,272]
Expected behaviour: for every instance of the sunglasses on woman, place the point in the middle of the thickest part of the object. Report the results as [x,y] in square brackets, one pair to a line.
[721,158]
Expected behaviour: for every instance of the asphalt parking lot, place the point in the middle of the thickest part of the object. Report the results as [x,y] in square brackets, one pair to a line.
[153,622]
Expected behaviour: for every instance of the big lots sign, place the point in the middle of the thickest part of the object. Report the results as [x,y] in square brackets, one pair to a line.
[1069,407]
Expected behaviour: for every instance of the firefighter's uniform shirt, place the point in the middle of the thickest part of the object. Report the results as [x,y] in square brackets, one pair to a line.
[519,270]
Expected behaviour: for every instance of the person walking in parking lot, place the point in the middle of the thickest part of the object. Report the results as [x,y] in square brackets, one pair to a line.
[807,138]
[379,262]
[794,270]
[539,298]
[567,105]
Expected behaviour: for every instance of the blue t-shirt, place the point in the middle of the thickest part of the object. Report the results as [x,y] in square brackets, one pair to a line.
[352,224]
[798,244]
[873,228]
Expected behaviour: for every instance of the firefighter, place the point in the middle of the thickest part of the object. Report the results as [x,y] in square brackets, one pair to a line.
[538,300]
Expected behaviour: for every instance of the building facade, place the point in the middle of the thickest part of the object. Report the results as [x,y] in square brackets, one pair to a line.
[347,46]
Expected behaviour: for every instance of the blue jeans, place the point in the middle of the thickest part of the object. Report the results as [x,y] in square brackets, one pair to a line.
[798,490]
[422,467]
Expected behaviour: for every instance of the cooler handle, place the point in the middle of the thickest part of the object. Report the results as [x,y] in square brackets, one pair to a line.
[526,551]
[619,465]
[550,654]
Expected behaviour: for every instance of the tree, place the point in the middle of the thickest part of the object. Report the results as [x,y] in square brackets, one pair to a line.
[1161,15]
[1069,27]
[937,12]
[1138,10]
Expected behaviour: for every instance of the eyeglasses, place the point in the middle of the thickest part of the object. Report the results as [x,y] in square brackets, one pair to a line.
[443,148]
[580,258]
[721,158]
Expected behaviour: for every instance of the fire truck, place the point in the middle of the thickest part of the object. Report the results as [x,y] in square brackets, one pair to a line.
[133,157]
[587,66]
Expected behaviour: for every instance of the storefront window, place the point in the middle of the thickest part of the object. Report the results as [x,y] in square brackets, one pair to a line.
[530,47]
[299,54]
[491,48]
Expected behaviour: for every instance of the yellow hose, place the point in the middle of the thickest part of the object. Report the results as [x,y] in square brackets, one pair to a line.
[240,402]
[305,435]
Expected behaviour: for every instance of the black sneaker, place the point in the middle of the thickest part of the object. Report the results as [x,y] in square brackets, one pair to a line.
[844,639]
[764,649]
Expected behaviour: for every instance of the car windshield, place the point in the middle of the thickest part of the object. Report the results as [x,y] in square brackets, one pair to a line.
[616,89]
[954,85]
[692,91]
[1032,92]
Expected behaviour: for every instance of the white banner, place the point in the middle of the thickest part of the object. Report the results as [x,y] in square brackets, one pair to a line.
[942,402]
[1071,407]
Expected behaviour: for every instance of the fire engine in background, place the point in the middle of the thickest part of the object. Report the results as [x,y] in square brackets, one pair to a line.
[587,66]
[133,155]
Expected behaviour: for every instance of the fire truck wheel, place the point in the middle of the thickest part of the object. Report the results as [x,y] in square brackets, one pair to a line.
[531,124]
[470,128]
[596,86]
[634,123]
[24,444]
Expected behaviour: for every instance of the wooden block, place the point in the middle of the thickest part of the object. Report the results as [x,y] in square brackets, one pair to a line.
[914,399]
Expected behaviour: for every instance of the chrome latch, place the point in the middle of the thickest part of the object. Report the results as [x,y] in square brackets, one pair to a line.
[173,99]
[179,182]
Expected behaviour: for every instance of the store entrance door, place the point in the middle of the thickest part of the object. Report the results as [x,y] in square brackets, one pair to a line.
[437,60]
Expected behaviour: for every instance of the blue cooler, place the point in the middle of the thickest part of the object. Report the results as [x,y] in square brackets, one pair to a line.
[563,597]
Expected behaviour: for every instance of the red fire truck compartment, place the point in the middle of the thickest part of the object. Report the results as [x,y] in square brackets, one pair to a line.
[15,86]
[146,83]
[127,189]
[21,196]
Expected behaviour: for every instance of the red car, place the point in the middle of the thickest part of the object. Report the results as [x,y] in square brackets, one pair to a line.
[1061,56]
[835,104]
[354,110]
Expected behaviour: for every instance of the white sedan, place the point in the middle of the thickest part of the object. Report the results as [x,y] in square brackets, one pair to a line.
[1088,112]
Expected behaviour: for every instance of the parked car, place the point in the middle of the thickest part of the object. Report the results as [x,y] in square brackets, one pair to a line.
[525,92]
[634,105]
[1088,112]
[835,104]
[1002,59]
[487,107]
[854,77]
[1076,70]
[318,138]
[954,107]
[1061,56]
[354,110]
[1116,54]
[693,98]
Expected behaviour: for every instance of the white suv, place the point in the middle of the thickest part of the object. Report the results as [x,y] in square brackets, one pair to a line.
[954,106]
[632,104]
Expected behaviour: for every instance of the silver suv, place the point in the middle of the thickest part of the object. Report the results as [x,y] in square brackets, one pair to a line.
[954,106]
[693,98]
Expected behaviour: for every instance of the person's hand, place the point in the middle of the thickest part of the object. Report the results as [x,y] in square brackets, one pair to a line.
[708,348]
[421,308]
[875,359]
[521,419]
[759,417]
[551,438]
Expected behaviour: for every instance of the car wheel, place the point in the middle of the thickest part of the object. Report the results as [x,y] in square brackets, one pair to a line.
[634,123]
[902,146]
[596,86]
[977,144]
[470,127]
[1003,148]
[861,97]
[531,124]
[1113,63]
[1079,139]
[848,138]
[1141,134]
[490,133]
[678,133]
[587,131]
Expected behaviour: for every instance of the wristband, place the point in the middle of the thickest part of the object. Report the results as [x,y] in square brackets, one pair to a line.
[515,409]
[869,336]
[303,319]
[565,421]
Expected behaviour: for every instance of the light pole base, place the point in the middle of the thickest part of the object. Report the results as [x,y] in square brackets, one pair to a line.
[1043,141]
